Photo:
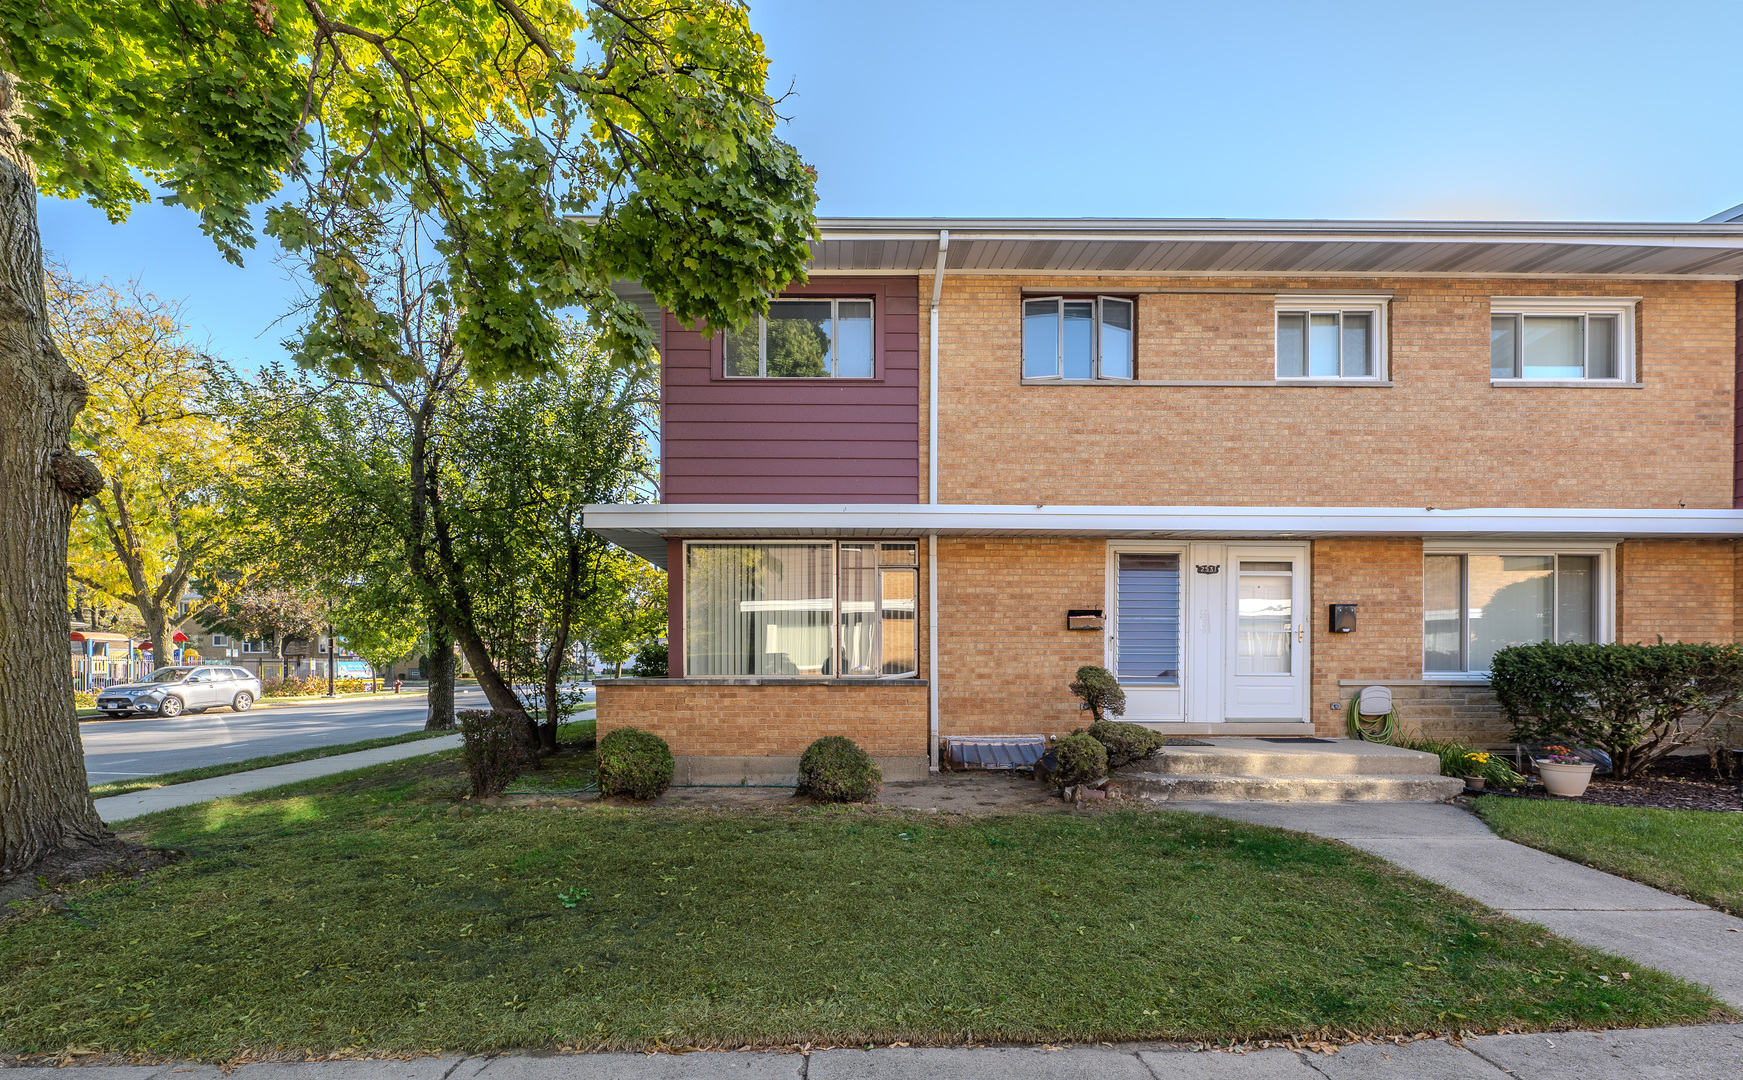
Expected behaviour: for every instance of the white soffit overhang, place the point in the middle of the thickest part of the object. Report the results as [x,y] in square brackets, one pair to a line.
[643,528]
[1125,246]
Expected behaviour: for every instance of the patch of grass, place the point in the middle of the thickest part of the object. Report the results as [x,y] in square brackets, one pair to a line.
[355,912]
[206,772]
[1693,853]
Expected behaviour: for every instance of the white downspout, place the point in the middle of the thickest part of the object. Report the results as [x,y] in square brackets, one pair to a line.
[932,499]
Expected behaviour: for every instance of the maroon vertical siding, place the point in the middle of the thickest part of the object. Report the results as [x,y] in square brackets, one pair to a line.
[674,609]
[795,440]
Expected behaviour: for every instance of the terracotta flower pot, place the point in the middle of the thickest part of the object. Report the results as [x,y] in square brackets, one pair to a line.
[1568,780]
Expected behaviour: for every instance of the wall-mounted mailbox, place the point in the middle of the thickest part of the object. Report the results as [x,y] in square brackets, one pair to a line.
[1343,618]
[1084,619]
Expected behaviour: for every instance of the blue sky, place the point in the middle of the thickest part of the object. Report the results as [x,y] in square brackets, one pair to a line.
[1516,111]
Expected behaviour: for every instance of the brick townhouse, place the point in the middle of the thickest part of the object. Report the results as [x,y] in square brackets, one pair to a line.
[1250,467]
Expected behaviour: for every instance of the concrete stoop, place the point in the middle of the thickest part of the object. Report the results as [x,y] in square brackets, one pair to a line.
[1250,770]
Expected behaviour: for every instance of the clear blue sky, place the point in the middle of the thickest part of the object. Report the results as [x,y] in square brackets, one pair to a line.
[1522,110]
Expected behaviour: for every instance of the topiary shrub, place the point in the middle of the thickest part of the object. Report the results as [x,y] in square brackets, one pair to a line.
[1099,691]
[494,748]
[1082,758]
[635,763]
[1125,743]
[835,769]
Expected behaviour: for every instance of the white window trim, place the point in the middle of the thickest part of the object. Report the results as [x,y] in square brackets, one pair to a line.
[1060,301]
[1377,305]
[834,303]
[1605,552]
[220,641]
[1623,307]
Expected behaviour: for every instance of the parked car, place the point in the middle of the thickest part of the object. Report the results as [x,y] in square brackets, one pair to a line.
[172,691]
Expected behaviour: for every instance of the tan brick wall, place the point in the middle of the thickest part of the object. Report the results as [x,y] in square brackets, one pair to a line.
[1461,710]
[770,720]
[1682,589]
[1383,577]
[1440,436]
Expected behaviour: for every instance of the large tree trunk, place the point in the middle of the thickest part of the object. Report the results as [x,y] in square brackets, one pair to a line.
[45,802]
[441,676]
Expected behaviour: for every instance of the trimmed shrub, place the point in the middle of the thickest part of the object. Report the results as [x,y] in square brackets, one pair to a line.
[635,763]
[1125,743]
[1637,703]
[493,746]
[835,769]
[1099,691]
[1082,758]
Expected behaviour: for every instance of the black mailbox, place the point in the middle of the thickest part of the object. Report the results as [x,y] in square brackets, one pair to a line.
[1343,618]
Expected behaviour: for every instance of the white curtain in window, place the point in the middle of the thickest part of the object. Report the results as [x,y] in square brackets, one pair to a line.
[1512,602]
[759,609]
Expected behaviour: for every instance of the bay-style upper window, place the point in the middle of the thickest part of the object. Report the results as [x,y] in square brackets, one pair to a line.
[1073,338]
[1331,337]
[805,339]
[814,608]
[1477,603]
[1556,338]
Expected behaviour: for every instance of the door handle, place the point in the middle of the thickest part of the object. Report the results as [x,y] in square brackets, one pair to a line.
[1300,633]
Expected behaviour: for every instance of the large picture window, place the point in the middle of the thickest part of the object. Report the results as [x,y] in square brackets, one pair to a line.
[815,608]
[1477,603]
[1069,338]
[805,339]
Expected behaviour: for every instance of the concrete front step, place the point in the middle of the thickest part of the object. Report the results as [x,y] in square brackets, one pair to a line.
[1256,757]
[1163,788]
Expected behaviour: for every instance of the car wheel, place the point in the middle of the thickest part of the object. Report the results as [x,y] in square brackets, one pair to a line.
[243,702]
[172,707]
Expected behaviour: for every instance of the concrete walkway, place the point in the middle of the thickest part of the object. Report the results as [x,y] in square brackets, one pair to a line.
[1689,1053]
[121,807]
[1452,847]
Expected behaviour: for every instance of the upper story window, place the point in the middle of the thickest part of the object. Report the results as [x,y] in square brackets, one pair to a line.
[1558,339]
[1073,338]
[1331,337]
[805,339]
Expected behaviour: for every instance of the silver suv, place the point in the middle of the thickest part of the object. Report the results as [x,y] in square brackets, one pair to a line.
[172,691]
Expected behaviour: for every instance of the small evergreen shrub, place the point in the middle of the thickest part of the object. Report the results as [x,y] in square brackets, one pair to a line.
[1082,758]
[1099,691]
[1125,743]
[635,763]
[493,747]
[835,769]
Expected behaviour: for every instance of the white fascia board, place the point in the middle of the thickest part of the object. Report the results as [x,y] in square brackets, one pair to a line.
[642,528]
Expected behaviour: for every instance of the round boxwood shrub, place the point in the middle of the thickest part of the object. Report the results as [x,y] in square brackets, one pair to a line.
[634,762]
[1082,758]
[835,769]
[1125,743]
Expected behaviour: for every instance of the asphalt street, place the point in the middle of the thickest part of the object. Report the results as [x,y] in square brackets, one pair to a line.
[118,749]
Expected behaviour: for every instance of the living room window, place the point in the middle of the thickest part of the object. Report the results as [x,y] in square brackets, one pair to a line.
[1084,338]
[802,608]
[1331,337]
[1475,603]
[1557,339]
[805,339]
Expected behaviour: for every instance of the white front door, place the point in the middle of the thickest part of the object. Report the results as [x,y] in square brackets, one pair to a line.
[1265,633]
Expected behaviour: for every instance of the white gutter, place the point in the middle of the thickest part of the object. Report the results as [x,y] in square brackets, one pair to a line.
[932,500]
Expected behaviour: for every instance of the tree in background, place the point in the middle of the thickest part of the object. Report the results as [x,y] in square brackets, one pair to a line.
[628,610]
[156,430]
[379,628]
[481,113]
[270,614]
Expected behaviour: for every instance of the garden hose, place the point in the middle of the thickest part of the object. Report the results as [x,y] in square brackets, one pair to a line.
[1383,730]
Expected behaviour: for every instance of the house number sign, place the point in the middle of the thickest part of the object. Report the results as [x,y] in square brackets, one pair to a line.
[1209,568]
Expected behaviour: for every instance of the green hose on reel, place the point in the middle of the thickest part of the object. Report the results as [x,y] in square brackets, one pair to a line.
[1383,730]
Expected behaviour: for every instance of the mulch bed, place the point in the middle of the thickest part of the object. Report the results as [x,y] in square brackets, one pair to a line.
[1679,783]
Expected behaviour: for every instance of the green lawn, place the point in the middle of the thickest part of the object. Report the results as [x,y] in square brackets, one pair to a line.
[1694,853]
[354,912]
[206,772]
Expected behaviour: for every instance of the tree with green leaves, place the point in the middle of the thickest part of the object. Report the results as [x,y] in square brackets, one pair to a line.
[548,171]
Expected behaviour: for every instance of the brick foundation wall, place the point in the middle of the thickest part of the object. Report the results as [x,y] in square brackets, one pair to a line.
[718,719]
[1383,578]
[1682,589]
[1445,710]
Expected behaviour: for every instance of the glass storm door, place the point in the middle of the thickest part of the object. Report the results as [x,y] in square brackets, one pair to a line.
[1265,661]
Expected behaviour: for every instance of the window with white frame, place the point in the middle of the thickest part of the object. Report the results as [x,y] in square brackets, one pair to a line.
[1087,337]
[1558,338]
[805,339]
[801,608]
[1147,618]
[254,646]
[1476,603]
[1331,337]
[219,641]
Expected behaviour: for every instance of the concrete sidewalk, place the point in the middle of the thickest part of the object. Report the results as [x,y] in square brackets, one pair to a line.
[121,807]
[1452,847]
[1687,1053]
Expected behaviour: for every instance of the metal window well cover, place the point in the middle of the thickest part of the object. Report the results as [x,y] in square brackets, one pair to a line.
[995,751]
